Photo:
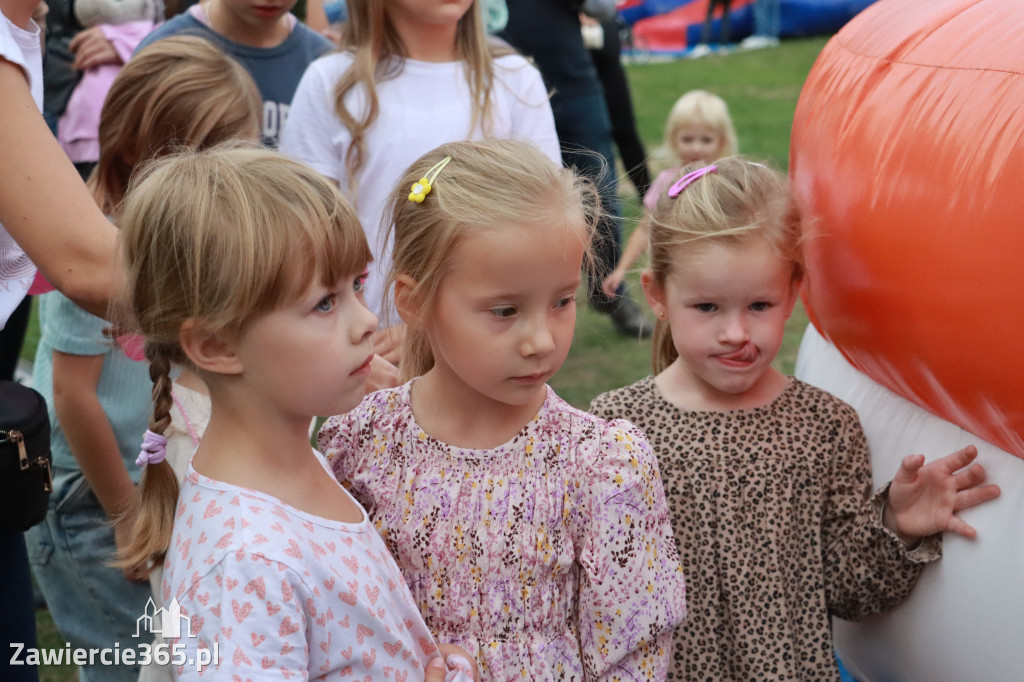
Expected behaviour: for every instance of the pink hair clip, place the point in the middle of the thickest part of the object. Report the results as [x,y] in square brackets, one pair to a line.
[154,449]
[687,180]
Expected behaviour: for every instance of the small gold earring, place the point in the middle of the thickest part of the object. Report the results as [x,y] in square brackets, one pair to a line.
[661,315]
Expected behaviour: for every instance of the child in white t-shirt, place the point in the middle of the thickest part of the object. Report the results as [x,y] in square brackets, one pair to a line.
[436,79]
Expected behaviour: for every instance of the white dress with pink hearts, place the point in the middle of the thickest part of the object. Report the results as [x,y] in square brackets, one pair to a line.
[284,594]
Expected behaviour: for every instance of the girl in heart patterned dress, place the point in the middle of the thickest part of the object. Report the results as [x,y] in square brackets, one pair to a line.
[532,534]
[248,269]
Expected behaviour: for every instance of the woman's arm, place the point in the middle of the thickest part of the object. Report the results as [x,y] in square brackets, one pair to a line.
[45,206]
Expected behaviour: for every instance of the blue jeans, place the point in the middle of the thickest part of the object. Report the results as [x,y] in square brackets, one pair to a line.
[18,623]
[766,18]
[585,131]
[93,605]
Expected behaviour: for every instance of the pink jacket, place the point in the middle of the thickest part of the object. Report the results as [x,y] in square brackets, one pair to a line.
[78,128]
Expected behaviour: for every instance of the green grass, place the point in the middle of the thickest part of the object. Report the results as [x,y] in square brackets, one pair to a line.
[761,89]
[47,637]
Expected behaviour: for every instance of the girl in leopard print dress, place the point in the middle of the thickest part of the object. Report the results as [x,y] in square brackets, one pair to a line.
[768,478]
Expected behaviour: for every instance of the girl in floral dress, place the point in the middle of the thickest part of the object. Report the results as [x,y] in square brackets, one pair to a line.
[532,534]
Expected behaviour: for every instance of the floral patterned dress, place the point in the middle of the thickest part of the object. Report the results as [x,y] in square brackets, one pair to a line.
[549,557]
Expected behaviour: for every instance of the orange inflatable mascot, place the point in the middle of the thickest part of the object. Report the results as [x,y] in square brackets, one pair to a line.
[908,151]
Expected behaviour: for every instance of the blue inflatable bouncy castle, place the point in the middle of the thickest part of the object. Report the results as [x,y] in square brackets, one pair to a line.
[671,26]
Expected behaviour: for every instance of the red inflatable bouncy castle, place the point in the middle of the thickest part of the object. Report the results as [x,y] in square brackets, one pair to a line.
[908,151]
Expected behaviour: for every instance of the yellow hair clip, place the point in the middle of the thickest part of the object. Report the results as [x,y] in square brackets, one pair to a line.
[422,188]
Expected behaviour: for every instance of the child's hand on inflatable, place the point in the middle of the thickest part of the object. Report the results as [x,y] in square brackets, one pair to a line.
[924,498]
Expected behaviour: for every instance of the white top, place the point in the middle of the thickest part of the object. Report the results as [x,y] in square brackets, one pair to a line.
[22,47]
[190,413]
[284,593]
[426,105]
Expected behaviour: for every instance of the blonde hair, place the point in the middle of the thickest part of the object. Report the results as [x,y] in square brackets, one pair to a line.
[181,91]
[738,201]
[378,54]
[486,184]
[699,107]
[219,237]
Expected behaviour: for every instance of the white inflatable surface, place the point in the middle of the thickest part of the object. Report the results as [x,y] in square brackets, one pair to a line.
[964,622]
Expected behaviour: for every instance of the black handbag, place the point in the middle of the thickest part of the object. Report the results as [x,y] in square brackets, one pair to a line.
[25,477]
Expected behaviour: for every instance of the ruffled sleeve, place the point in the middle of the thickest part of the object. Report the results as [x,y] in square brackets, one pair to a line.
[632,594]
[339,440]
[358,445]
[867,568]
[70,329]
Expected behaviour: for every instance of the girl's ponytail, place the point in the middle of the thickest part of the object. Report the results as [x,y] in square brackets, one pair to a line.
[151,509]
[663,348]
[417,357]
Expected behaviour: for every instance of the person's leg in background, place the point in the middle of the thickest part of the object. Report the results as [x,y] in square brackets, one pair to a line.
[774,18]
[549,31]
[608,62]
[704,47]
[584,129]
[725,33]
[705,29]
[18,624]
[766,26]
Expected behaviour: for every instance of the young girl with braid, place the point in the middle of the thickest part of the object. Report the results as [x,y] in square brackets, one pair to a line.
[248,268]
[768,478]
[181,92]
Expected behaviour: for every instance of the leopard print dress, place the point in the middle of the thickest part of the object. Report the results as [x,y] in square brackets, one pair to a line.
[775,527]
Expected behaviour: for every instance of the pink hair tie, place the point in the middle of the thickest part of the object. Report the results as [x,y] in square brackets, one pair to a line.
[154,449]
[687,180]
[133,346]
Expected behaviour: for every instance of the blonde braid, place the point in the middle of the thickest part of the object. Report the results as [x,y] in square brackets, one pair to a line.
[160,374]
[151,509]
